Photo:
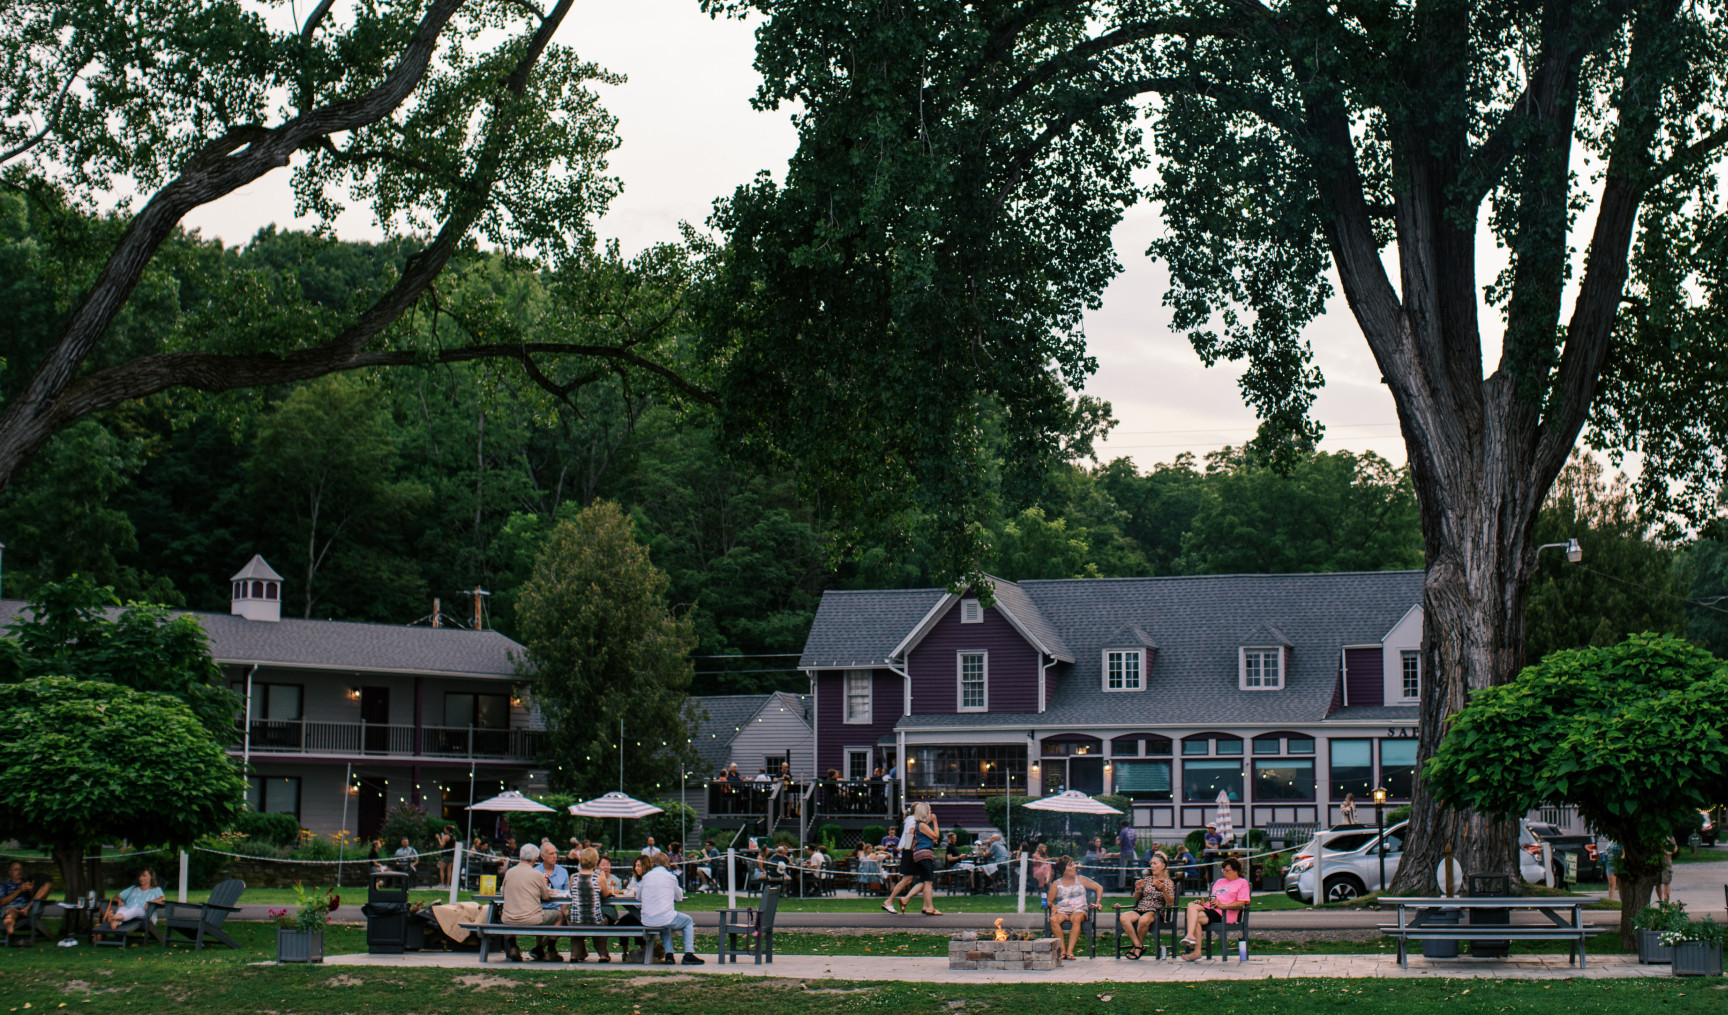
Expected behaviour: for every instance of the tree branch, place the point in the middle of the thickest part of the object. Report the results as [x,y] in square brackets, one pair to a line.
[1689,155]
[47,122]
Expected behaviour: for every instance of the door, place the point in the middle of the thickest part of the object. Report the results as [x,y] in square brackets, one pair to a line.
[1086,775]
[370,804]
[375,713]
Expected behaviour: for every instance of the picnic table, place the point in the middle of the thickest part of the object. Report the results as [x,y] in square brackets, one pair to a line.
[1416,916]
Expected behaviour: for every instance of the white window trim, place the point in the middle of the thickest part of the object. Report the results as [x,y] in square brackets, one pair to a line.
[846,754]
[846,698]
[1242,667]
[959,680]
[971,612]
[1402,697]
[1139,669]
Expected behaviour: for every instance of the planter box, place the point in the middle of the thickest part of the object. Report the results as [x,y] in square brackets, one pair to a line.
[1272,882]
[299,945]
[1651,951]
[1695,958]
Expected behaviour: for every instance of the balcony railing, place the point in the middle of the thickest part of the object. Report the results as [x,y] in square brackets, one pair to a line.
[830,799]
[284,736]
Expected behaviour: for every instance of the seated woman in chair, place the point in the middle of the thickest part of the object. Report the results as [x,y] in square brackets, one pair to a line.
[135,899]
[1229,894]
[1153,894]
[1069,905]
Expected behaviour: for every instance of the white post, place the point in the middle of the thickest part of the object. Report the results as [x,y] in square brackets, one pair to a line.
[246,742]
[1548,865]
[1022,904]
[185,873]
[455,871]
[341,854]
[731,878]
[1319,869]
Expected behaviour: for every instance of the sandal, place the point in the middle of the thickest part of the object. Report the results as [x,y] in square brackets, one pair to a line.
[1136,952]
[888,907]
[931,912]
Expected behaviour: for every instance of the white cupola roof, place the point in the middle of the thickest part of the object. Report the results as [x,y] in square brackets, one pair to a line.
[257,592]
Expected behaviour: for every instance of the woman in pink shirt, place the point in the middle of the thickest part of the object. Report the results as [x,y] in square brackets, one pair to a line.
[1229,893]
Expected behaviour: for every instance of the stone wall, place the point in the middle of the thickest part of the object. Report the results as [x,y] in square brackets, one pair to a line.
[967,951]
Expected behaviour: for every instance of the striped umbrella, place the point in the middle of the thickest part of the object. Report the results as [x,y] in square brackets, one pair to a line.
[1224,822]
[614,805]
[510,800]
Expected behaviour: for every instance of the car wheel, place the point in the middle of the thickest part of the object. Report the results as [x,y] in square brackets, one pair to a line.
[1342,888]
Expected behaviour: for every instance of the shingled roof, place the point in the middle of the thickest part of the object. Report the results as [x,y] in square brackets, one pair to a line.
[862,628]
[346,645]
[727,714]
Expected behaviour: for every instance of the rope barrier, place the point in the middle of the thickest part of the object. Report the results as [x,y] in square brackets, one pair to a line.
[283,859]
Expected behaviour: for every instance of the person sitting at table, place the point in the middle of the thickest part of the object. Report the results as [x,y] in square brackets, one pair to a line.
[1153,894]
[1229,894]
[525,895]
[558,880]
[1094,850]
[509,850]
[134,901]
[589,890]
[1070,906]
[408,859]
[660,894]
[638,867]
[998,857]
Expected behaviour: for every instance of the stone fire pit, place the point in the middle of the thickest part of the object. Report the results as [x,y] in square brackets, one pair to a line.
[971,950]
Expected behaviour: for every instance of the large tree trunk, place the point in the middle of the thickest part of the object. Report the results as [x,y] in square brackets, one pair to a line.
[70,857]
[1642,873]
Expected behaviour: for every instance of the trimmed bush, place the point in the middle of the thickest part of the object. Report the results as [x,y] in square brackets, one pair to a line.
[271,829]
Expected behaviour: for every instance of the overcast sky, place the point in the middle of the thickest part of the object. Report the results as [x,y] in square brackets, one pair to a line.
[689,136]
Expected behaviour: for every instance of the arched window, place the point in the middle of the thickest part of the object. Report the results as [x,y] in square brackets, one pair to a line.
[270,589]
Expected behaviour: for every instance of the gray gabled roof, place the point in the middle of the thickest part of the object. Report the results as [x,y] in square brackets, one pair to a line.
[257,568]
[862,628]
[1014,599]
[345,645]
[727,714]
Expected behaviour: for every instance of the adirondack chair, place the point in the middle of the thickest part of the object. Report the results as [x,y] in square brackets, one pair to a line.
[28,926]
[756,924]
[102,935]
[201,921]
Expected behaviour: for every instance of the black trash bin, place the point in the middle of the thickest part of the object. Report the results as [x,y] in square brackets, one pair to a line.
[1441,947]
[386,913]
[1489,886]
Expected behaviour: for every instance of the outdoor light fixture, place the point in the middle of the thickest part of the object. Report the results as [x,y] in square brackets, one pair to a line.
[1379,796]
[353,694]
[1380,819]
[1574,552]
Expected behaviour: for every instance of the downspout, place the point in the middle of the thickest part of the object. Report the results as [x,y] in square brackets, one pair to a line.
[246,744]
[900,737]
[1344,674]
[816,726]
[1043,680]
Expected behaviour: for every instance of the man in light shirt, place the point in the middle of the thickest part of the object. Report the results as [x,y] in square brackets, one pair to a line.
[658,893]
[650,849]
[525,892]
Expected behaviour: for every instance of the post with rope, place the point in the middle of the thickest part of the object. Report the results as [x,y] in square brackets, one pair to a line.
[1022,904]
[185,872]
[456,871]
[731,877]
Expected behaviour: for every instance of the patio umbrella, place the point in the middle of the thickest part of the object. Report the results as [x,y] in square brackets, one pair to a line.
[1071,801]
[614,805]
[1226,825]
[510,800]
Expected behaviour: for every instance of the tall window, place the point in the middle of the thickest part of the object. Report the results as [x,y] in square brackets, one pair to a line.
[974,681]
[274,794]
[1122,670]
[1143,780]
[1398,767]
[1412,674]
[481,711]
[858,696]
[1262,669]
[967,771]
[1352,768]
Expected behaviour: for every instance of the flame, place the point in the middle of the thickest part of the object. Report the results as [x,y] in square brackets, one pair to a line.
[1001,935]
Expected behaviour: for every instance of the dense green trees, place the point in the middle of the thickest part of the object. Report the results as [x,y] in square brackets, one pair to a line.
[1633,734]
[607,658]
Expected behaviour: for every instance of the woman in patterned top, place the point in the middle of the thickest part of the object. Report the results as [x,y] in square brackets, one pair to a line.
[589,891]
[1152,895]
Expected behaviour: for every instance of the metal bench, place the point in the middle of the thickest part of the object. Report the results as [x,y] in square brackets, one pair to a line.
[488,931]
[1465,932]
[1413,914]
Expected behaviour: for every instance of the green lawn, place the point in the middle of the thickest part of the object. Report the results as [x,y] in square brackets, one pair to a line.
[219,982]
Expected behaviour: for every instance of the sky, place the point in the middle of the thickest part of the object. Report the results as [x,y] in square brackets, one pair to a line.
[689,135]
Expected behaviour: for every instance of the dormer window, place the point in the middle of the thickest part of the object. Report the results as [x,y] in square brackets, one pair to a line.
[971,612]
[1262,668]
[1123,669]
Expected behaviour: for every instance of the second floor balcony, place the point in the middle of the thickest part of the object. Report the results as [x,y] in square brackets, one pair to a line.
[342,739]
[827,798]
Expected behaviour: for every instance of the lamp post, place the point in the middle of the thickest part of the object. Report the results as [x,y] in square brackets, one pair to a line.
[1574,552]
[1380,819]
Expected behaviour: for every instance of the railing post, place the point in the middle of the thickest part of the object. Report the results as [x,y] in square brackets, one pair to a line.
[731,878]
[455,872]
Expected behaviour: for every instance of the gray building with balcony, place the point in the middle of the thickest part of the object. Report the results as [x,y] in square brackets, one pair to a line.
[346,720]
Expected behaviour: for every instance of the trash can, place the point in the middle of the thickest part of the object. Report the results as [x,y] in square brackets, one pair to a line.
[386,913]
[1441,948]
[1489,886]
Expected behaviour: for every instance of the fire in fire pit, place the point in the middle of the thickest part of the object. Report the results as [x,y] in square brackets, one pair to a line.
[1013,935]
[1006,949]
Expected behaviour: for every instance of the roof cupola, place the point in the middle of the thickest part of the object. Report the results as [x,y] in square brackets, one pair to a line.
[256,592]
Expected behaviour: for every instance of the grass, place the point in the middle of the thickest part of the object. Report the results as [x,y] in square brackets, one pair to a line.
[219,982]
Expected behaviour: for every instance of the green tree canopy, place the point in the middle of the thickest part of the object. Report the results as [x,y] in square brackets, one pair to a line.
[1634,734]
[75,629]
[604,647]
[85,761]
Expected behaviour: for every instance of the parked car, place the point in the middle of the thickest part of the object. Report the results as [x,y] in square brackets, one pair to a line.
[1353,863]
[1531,836]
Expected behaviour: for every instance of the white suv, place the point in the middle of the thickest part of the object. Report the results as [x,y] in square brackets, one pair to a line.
[1353,863]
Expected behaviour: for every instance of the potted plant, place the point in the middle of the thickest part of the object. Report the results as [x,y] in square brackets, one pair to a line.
[1651,923]
[1272,874]
[1697,948]
[300,931]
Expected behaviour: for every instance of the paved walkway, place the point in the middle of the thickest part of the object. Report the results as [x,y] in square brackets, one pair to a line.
[1100,970]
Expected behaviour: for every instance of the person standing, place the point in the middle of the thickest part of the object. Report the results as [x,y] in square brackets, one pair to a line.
[1665,886]
[1127,852]
[908,827]
[408,859]
[444,842]
[659,894]
[1348,808]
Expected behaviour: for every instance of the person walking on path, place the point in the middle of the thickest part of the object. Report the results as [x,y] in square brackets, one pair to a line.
[908,828]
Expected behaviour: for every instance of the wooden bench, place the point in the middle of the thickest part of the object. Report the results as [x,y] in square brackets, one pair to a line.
[488,931]
[1413,915]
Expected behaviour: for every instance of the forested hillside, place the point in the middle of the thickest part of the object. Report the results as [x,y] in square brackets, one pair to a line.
[376,492]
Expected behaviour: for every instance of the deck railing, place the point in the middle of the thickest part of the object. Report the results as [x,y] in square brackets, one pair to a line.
[296,736]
